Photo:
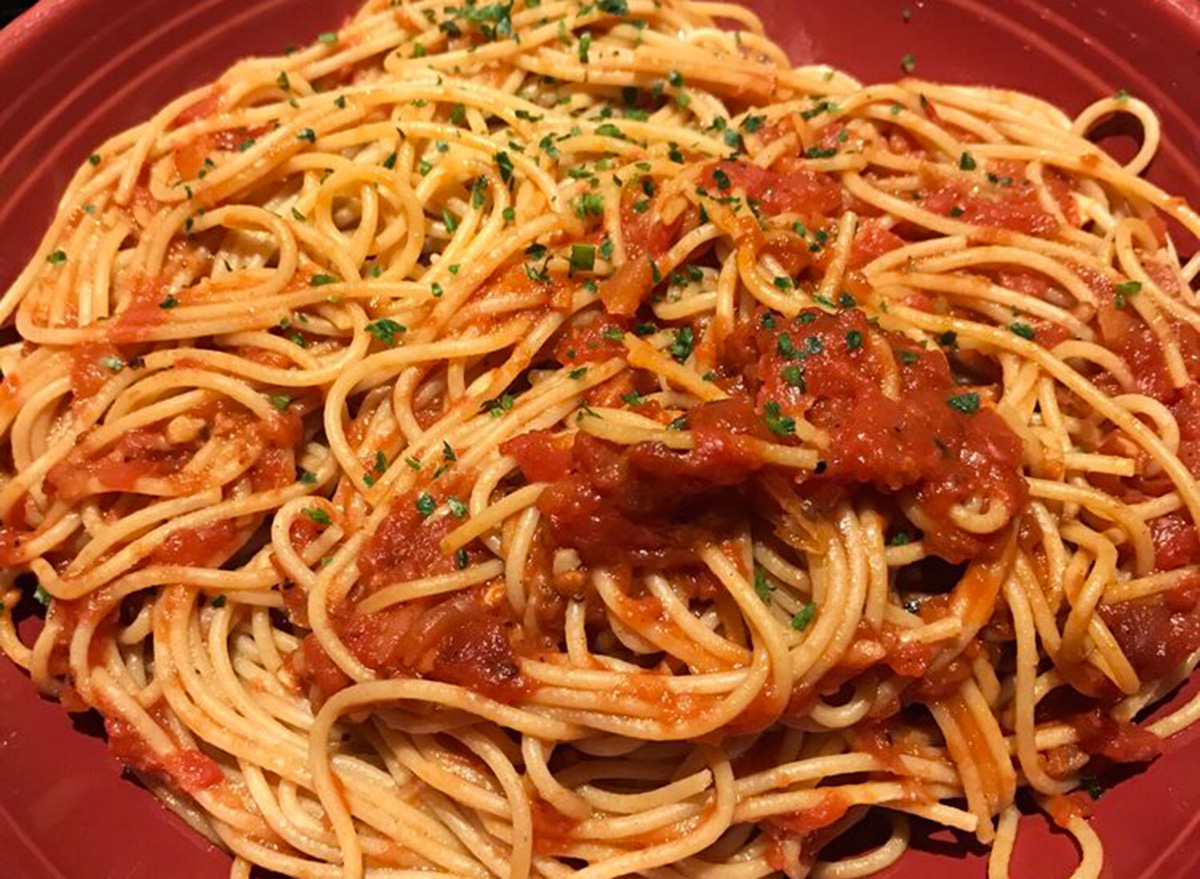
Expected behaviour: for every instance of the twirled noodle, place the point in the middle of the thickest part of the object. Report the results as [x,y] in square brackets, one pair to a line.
[557,439]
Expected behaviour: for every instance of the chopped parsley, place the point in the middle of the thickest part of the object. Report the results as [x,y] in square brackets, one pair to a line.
[966,161]
[385,330]
[681,347]
[583,257]
[426,504]
[854,340]
[762,587]
[316,514]
[499,405]
[322,280]
[1024,330]
[57,258]
[1122,292]
[590,203]
[908,63]
[506,167]
[777,423]
[802,619]
[280,401]
[968,404]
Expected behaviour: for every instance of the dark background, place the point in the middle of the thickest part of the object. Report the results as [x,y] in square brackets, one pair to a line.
[10,9]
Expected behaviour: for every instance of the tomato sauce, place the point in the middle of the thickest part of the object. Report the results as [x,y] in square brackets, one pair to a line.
[141,453]
[142,315]
[206,545]
[803,825]
[596,340]
[645,504]
[646,239]
[1123,331]
[462,639]
[1064,807]
[1186,410]
[1103,736]
[935,443]
[407,545]
[207,106]
[787,187]
[1011,203]
[542,455]
[831,807]
[1175,541]
[1157,633]
[871,241]
[553,832]
[190,769]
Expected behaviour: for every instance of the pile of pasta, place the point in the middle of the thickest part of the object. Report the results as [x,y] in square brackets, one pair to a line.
[566,440]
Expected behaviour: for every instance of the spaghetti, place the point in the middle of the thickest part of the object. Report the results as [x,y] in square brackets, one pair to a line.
[556,439]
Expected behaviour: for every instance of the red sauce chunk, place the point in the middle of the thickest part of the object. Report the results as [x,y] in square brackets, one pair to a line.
[1122,330]
[552,830]
[203,545]
[871,241]
[141,453]
[1116,740]
[646,238]
[463,640]
[543,455]
[191,770]
[786,187]
[1000,200]
[935,442]
[1157,633]
[595,340]
[645,504]
[1063,808]
[1175,541]
[406,545]
[803,825]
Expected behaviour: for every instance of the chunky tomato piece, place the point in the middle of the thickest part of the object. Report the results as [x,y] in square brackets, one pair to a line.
[786,187]
[1157,633]
[935,441]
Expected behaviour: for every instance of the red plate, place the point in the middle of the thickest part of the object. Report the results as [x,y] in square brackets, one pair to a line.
[76,71]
